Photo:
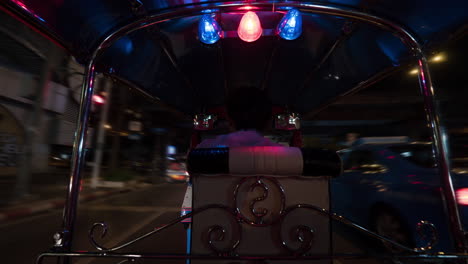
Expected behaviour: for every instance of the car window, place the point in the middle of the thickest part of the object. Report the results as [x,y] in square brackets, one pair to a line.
[419,155]
[358,158]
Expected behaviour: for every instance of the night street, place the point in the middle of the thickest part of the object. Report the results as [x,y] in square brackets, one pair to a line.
[128,216]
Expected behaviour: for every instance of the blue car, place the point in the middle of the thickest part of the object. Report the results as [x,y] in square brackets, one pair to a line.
[390,187]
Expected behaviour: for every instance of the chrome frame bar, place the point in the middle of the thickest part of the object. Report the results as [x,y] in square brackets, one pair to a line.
[131,258]
[78,161]
[427,89]
[227,253]
[349,256]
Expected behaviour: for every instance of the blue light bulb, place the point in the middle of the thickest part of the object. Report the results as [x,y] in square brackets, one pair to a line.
[209,31]
[290,26]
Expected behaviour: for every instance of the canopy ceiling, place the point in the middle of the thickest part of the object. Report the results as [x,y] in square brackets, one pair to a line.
[168,62]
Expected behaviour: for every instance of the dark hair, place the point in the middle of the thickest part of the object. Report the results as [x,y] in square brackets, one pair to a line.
[249,108]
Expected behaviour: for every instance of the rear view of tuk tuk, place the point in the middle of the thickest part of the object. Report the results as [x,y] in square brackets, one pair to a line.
[367,128]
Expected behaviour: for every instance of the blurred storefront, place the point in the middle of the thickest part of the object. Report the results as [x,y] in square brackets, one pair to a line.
[38,101]
[11,141]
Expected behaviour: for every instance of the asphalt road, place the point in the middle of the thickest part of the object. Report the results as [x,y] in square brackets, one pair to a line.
[128,216]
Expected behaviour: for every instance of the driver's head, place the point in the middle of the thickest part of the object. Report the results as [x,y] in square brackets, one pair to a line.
[249,108]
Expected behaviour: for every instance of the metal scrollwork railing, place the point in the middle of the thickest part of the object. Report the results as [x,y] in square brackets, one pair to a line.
[433,236]
[259,214]
[220,231]
[264,211]
[91,236]
[300,234]
[432,241]
[130,260]
[304,235]
[217,233]
[211,237]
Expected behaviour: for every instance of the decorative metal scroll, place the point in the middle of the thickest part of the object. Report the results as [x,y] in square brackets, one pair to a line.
[211,233]
[125,261]
[217,233]
[258,213]
[302,235]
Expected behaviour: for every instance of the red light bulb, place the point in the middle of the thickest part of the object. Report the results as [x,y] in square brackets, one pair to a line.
[250,28]
[98,99]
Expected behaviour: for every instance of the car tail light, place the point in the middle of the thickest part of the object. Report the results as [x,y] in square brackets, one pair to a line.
[462,196]
[177,177]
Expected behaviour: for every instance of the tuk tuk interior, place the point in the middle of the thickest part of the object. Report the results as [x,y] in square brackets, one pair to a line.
[157,48]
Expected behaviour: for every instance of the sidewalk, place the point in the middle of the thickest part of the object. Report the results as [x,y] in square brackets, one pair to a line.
[47,195]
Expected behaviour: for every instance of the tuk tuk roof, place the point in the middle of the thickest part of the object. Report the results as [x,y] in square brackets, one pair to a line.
[168,62]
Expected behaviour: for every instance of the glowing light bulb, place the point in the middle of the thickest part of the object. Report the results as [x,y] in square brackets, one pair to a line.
[438,58]
[209,31]
[290,26]
[414,71]
[250,28]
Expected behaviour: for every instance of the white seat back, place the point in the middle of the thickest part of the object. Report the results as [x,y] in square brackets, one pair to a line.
[255,214]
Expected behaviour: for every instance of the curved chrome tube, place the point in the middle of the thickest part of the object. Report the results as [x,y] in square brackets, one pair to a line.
[196,9]
[439,137]
[346,256]
[78,161]
[210,242]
